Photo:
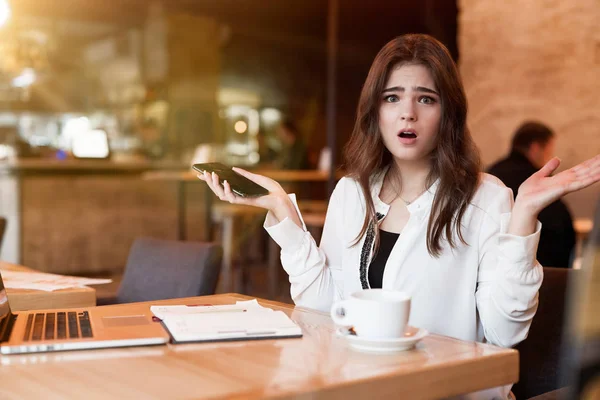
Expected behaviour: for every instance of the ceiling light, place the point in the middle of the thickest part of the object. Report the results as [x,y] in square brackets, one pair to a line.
[240,127]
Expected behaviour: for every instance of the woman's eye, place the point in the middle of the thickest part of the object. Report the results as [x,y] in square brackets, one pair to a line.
[392,98]
[426,100]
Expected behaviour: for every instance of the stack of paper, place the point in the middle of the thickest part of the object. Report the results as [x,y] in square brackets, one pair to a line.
[242,321]
[46,282]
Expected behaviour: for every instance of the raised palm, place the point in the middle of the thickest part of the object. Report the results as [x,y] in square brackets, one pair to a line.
[269,202]
[542,189]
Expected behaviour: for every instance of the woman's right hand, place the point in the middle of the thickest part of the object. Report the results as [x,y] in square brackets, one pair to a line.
[277,201]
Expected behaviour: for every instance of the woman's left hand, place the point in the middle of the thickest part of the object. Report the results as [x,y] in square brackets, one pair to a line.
[541,189]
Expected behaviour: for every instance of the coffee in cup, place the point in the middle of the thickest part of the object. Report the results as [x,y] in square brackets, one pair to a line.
[374,313]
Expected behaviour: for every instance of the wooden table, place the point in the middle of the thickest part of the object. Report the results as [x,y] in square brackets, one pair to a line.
[25,299]
[319,365]
[233,217]
[582,227]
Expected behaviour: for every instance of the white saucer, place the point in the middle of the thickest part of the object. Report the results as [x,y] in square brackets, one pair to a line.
[411,337]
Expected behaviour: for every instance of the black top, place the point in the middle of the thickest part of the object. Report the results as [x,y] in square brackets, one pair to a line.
[387,240]
[557,238]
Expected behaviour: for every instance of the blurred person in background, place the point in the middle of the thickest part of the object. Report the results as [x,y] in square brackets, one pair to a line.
[532,147]
[153,145]
[267,155]
[294,153]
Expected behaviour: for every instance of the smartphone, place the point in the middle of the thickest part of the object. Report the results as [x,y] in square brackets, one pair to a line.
[239,184]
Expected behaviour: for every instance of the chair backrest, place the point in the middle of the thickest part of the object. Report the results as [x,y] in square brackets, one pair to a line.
[540,354]
[165,269]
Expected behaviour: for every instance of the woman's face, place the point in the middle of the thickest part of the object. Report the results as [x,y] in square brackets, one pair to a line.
[410,113]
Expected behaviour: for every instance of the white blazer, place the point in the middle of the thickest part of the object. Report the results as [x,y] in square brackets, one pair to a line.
[485,291]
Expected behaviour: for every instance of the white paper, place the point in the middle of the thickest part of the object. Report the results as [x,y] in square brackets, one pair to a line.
[230,325]
[163,312]
[44,281]
[243,320]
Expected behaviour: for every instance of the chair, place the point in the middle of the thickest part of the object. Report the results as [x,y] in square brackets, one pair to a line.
[164,269]
[558,394]
[540,353]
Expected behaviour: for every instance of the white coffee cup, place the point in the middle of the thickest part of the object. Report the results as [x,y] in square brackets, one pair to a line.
[374,313]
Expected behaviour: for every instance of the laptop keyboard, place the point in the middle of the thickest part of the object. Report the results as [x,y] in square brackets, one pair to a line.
[59,325]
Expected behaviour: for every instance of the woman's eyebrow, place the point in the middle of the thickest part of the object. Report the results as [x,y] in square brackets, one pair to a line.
[415,88]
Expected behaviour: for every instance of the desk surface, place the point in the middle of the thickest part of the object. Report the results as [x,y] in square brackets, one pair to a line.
[315,366]
[25,299]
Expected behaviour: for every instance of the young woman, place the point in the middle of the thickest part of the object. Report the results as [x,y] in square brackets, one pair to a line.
[416,214]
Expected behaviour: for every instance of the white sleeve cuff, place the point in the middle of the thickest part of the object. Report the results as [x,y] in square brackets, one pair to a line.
[518,249]
[286,233]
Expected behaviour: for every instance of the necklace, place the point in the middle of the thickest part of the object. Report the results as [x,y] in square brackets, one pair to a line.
[406,202]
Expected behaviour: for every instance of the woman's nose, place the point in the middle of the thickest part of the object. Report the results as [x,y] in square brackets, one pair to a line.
[407,111]
[408,114]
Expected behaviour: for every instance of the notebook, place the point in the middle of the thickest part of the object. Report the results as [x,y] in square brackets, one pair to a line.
[241,321]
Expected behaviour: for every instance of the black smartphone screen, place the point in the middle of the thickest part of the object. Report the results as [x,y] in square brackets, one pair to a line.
[239,184]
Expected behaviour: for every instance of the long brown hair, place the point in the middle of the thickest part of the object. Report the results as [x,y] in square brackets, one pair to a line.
[455,160]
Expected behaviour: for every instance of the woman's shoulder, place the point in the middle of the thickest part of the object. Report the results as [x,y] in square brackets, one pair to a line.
[350,183]
[347,185]
[350,192]
[490,182]
[490,189]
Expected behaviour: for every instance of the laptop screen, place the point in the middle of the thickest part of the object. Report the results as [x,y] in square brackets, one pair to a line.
[581,369]
[4,311]
[91,144]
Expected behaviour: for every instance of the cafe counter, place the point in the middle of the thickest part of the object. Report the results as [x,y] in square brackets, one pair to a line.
[81,216]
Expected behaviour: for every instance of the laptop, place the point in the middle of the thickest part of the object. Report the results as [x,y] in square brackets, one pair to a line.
[580,367]
[76,328]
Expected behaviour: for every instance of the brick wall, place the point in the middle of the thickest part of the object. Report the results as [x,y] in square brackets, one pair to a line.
[534,59]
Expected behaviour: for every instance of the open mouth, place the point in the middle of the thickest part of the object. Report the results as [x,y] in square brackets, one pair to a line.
[407,135]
